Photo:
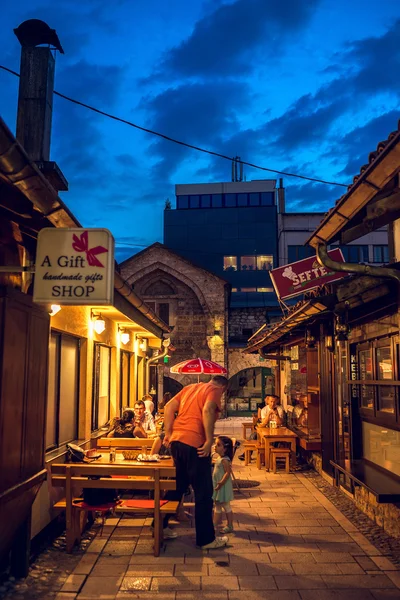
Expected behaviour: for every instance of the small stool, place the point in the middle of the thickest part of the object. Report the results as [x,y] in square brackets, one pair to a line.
[260,455]
[249,448]
[277,453]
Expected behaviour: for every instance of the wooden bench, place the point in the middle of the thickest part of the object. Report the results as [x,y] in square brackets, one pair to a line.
[155,479]
[383,486]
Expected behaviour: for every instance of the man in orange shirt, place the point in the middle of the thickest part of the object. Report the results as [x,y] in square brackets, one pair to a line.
[191,435]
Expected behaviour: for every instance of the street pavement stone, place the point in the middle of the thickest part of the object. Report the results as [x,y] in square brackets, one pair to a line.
[292,541]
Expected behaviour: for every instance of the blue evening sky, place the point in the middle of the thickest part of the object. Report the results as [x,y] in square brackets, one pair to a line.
[305,86]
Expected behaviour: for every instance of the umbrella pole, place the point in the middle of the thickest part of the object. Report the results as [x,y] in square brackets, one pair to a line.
[198,378]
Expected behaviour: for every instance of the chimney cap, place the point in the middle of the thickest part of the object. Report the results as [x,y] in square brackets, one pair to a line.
[34,32]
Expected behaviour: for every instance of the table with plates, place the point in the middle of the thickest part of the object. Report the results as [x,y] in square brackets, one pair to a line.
[279,434]
[120,460]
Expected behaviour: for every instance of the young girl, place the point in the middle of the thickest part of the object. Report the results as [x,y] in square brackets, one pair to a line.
[222,480]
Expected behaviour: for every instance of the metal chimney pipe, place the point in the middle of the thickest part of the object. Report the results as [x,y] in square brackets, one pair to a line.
[35,101]
[281,197]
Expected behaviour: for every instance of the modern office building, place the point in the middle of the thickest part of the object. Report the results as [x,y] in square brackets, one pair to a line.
[230,229]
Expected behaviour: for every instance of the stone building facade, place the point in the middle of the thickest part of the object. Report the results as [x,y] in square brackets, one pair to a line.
[193,301]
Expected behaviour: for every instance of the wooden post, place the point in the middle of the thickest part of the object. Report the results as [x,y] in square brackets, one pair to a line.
[157,516]
[69,526]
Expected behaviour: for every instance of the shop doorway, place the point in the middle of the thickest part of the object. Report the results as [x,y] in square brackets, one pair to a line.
[247,390]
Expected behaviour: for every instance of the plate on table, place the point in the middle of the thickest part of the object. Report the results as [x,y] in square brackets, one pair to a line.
[151,458]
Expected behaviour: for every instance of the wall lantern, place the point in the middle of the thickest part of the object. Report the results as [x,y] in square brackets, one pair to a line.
[124,335]
[143,345]
[217,332]
[342,328]
[310,340]
[329,345]
[55,308]
[99,323]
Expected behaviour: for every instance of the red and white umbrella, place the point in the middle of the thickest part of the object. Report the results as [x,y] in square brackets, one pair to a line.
[196,366]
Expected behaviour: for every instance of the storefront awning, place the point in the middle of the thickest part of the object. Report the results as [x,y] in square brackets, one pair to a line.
[299,315]
[382,167]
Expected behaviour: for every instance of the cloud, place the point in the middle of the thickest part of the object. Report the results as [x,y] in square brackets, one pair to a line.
[311,197]
[362,140]
[198,113]
[223,42]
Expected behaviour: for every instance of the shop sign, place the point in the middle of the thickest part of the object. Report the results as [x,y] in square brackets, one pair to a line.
[74,266]
[304,275]
[353,374]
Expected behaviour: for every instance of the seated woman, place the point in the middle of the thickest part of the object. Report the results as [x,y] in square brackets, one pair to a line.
[123,427]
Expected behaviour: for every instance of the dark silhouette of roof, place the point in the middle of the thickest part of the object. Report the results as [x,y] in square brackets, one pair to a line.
[34,32]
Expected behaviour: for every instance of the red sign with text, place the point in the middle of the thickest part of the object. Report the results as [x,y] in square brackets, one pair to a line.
[304,275]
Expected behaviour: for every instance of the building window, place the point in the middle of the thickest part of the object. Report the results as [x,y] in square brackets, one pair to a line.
[265,289]
[267,198]
[242,199]
[377,373]
[254,199]
[355,254]
[248,263]
[234,290]
[230,263]
[216,200]
[296,253]
[384,372]
[230,200]
[101,386]
[182,201]
[205,201]
[194,201]
[163,312]
[248,289]
[265,262]
[367,393]
[62,390]
[381,254]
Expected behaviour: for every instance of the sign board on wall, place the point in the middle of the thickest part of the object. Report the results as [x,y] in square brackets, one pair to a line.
[304,275]
[74,266]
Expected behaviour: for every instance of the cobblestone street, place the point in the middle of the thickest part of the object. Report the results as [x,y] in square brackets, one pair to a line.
[290,543]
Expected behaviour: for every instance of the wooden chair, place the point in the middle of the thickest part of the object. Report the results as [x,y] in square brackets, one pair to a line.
[125,443]
[277,454]
[260,448]
[72,476]
[249,447]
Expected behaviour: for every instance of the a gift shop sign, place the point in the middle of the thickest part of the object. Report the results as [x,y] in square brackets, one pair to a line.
[74,266]
[304,275]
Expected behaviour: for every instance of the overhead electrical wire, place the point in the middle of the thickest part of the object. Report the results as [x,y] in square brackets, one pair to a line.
[187,145]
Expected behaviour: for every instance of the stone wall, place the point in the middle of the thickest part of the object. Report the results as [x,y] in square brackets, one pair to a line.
[238,360]
[386,516]
[245,318]
[197,301]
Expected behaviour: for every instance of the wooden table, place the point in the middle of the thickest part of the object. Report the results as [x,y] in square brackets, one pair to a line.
[120,460]
[245,426]
[280,434]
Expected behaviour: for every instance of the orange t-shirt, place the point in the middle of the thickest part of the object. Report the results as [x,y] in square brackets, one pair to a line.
[188,426]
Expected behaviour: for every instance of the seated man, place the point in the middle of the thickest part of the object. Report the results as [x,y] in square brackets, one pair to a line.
[143,421]
[272,411]
[123,427]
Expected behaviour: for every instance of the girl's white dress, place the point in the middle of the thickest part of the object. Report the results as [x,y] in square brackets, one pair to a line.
[225,494]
